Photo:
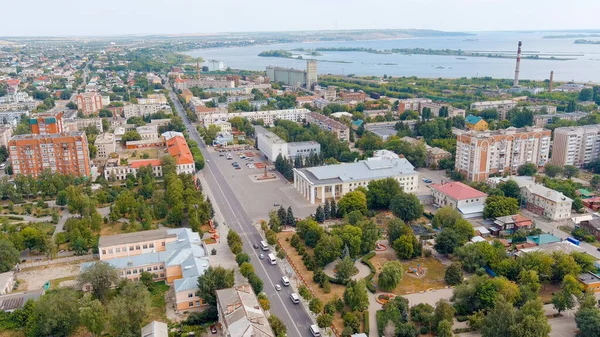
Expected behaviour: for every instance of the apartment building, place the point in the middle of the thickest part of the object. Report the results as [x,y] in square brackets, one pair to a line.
[47,123]
[153,99]
[341,130]
[79,124]
[13,117]
[413,104]
[503,107]
[272,145]
[141,110]
[436,107]
[203,83]
[105,145]
[6,133]
[177,256]
[240,314]
[89,102]
[481,153]
[539,199]
[348,96]
[65,153]
[541,121]
[268,117]
[577,145]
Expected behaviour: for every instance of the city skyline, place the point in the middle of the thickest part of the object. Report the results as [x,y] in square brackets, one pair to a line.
[160,17]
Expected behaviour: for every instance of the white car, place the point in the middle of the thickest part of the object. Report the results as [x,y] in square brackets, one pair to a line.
[277,287]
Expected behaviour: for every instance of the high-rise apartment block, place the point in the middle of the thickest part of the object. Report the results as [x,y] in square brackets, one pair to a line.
[502,107]
[89,102]
[576,146]
[295,77]
[47,123]
[481,153]
[65,153]
[341,130]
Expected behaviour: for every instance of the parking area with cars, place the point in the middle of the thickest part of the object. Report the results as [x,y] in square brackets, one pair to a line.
[258,198]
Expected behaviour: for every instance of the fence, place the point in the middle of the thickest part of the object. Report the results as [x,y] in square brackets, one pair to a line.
[57,261]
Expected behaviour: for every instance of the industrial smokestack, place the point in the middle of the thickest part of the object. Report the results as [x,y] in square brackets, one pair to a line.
[518,67]
[551,81]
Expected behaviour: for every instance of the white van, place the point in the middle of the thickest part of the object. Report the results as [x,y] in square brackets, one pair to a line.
[315,331]
[264,245]
[295,298]
[272,259]
[285,281]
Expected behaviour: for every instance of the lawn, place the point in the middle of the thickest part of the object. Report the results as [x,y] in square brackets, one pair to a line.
[158,304]
[56,282]
[433,279]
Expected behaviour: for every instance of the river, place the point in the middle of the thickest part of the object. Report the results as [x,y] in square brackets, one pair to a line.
[585,66]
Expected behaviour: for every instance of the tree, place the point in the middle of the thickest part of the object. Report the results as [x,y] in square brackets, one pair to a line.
[54,314]
[351,321]
[71,105]
[130,136]
[324,320]
[422,313]
[595,182]
[499,320]
[92,315]
[444,329]
[100,276]
[454,274]
[586,94]
[404,247]
[263,300]
[355,295]
[61,198]
[129,309]
[510,189]
[570,171]
[406,206]
[345,269]
[497,206]
[521,117]
[9,255]
[588,322]
[564,265]
[444,311]
[381,192]
[447,241]
[290,219]
[552,170]
[319,214]
[445,216]
[528,169]
[279,329]
[397,228]
[255,282]
[352,201]
[390,276]
[328,249]
[531,320]
[213,279]
[327,209]
[316,306]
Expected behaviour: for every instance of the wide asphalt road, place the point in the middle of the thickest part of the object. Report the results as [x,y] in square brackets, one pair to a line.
[294,316]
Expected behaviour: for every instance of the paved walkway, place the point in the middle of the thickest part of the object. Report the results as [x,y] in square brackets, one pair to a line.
[363,270]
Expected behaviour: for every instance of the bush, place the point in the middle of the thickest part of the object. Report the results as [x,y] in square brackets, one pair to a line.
[295,241]
[241,258]
[366,320]
[207,316]
[424,330]
[236,248]
[427,253]
[304,292]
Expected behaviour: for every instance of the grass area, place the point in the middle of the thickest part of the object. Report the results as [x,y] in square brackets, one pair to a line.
[139,154]
[434,277]
[56,282]
[158,309]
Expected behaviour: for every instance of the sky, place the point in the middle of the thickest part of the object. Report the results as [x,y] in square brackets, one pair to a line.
[123,17]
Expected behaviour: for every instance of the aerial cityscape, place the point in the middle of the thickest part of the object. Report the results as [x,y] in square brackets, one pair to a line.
[300,176]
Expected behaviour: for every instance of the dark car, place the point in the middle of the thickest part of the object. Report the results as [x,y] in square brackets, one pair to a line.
[255,246]
[213,329]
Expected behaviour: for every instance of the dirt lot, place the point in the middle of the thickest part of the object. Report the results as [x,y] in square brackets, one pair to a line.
[433,278]
[34,278]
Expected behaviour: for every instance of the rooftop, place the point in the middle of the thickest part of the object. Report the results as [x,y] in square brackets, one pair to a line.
[371,169]
[471,119]
[178,148]
[588,278]
[49,136]
[14,301]
[123,239]
[458,190]
[155,329]
[242,313]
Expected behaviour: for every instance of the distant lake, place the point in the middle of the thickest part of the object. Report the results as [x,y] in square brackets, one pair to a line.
[585,67]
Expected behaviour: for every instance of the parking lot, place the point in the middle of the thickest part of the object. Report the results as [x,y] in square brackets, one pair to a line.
[259,197]
[436,177]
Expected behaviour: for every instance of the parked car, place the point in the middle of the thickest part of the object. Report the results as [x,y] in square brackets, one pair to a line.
[261,256]
[276,205]
[277,287]
[255,246]
[213,329]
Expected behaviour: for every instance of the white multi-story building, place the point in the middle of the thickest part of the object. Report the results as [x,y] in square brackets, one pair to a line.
[539,199]
[105,145]
[12,117]
[153,99]
[17,97]
[334,181]
[576,146]
[272,145]
[5,135]
[503,107]
[268,117]
[148,132]
[133,110]
[481,153]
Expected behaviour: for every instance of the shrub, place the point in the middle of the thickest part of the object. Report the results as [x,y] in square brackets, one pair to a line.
[427,253]
[304,292]
[236,248]
[295,241]
[366,320]
[241,258]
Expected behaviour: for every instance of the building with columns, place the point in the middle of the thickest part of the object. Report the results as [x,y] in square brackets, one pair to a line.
[333,181]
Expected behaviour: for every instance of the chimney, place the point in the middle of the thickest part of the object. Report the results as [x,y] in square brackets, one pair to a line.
[551,81]
[517,68]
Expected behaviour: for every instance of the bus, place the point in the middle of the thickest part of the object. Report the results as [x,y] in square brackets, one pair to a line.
[272,259]
[264,245]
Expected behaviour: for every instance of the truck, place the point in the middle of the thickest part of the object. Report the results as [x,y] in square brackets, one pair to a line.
[573,241]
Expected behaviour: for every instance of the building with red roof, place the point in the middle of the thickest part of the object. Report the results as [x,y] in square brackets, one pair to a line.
[178,149]
[469,201]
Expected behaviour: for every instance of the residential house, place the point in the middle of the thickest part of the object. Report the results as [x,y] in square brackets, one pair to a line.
[511,223]
[589,281]
[434,155]
[476,123]
[591,226]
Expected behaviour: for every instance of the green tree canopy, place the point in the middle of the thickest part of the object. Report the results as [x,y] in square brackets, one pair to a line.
[406,206]
[352,201]
[390,276]
[497,206]
[213,279]
[101,276]
[381,192]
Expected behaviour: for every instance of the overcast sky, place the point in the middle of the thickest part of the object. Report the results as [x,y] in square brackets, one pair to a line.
[116,17]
